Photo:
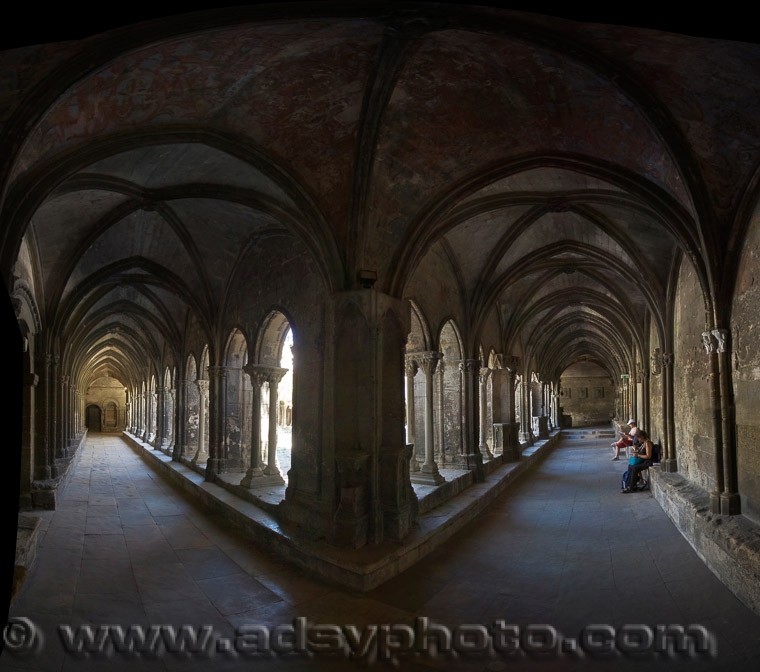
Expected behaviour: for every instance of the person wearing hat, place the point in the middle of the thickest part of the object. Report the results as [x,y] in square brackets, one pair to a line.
[626,439]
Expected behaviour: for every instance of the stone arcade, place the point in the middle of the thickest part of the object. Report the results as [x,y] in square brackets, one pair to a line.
[477,226]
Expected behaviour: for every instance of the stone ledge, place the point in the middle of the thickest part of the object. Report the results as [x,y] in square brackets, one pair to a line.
[362,569]
[728,545]
[27,538]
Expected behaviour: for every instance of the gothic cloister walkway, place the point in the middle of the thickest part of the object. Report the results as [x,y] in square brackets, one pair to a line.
[562,546]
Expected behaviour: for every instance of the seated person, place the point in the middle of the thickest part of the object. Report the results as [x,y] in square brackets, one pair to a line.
[640,460]
[625,439]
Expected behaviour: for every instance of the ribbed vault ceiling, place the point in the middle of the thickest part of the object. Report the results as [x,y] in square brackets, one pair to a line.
[560,172]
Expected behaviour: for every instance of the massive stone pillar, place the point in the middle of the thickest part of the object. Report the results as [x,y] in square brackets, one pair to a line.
[43,457]
[364,412]
[484,374]
[28,437]
[63,435]
[428,472]
[410,370]
[201,454]
[473,458]
[273,377]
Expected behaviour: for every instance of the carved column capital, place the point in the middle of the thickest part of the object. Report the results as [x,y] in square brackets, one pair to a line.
[667,359]
[202,384]
[275,375]
[257,374]
[469,365]
[428,361]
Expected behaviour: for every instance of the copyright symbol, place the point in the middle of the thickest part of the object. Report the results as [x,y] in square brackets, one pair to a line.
[21,636]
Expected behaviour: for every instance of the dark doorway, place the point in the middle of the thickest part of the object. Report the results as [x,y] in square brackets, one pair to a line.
[93,418]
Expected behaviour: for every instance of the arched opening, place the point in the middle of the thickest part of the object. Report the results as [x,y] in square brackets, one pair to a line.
[167,435]
[275,362]
[93,418]
[237,419]
[449,403]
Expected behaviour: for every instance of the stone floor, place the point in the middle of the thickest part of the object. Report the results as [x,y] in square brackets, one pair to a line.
[563,548]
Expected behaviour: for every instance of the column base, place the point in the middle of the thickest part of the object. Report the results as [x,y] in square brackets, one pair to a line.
[260,480]
[670,465]
[274,475]
[428,475]
[199,458]
[474,462]
[730,503]
[715,502]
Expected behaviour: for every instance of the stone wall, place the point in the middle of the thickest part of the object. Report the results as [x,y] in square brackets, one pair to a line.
[108,394]
[745,341]
[692,412]
[587,395]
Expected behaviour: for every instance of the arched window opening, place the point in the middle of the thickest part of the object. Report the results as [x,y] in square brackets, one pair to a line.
[449,402]
[190,419]
[271,374]
[285,396]
[237,422]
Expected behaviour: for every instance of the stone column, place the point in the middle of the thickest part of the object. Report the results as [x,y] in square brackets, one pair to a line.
[201,454]
[169,418]
[428,473]
[667,381]
[484,375]
[730,503]
[64,415]
[158,439]
[473,458]
[439,413]
[255,474]
[411,369]
[274,376]
[525,430]
[140,434]
[73,430]
[180,411]
[217,448]
[42,456]
[28,437]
